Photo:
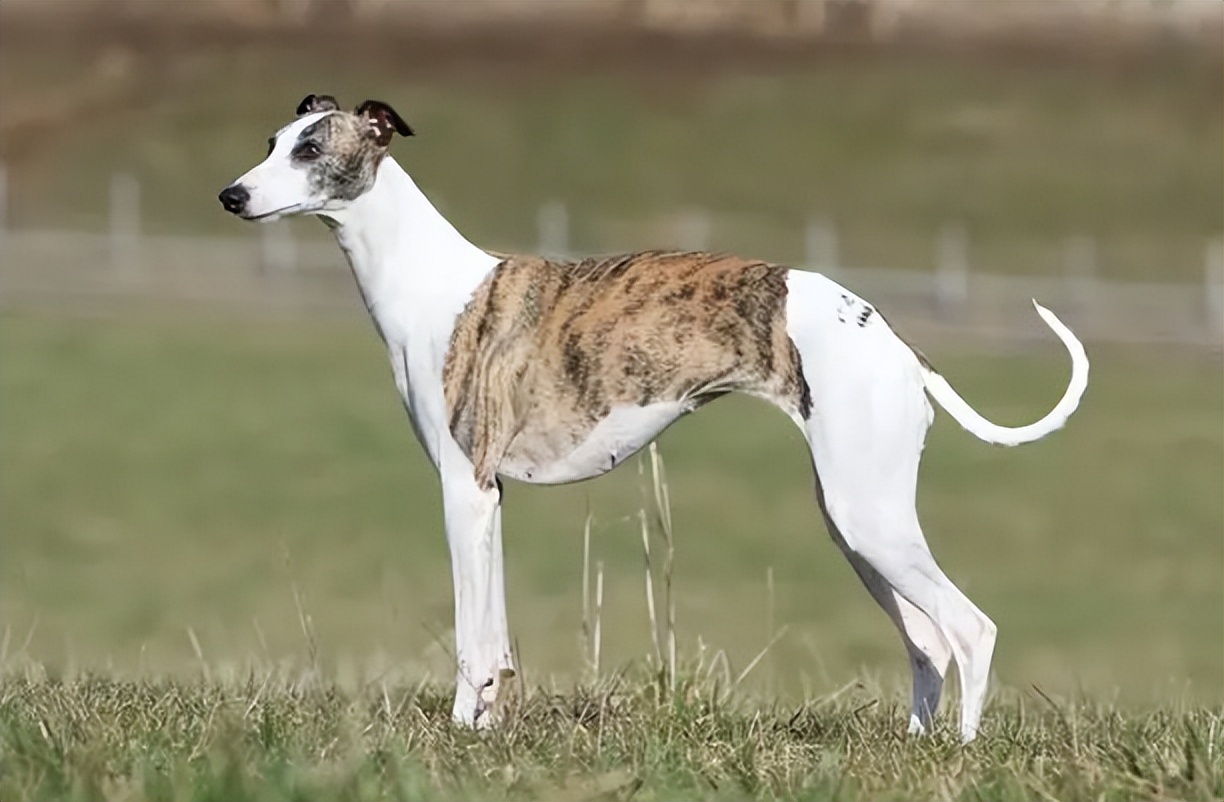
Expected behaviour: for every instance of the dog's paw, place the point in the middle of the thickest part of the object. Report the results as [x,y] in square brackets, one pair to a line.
[488,711]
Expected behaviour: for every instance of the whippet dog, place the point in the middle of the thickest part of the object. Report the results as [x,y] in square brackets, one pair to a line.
[553,372]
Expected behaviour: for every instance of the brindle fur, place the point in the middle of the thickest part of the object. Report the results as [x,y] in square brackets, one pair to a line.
[544,350]
[350,156]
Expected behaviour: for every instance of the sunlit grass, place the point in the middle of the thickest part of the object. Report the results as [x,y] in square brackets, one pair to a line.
[276,735]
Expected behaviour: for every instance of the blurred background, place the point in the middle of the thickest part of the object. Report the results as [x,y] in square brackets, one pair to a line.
[203,461]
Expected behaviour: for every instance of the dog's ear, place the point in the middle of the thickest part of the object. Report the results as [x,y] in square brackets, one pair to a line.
[312,103]
[383,121]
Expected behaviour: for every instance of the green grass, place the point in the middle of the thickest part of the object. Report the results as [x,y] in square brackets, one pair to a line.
[269,737]
[890,146]
[224,578]
[166,478]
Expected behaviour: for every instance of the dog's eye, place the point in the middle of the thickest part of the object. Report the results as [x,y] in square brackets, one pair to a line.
[307,152]
[271,145]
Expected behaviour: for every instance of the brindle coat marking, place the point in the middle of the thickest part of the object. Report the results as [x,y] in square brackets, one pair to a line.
[544,350]
[343,151]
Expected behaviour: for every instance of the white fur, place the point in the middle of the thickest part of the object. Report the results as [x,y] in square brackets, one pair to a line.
[415,273]
[974,423]
[278,187]
[869,421]
[620,434]
[870,414]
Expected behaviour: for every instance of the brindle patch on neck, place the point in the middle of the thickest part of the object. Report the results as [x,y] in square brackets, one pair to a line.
[544,350]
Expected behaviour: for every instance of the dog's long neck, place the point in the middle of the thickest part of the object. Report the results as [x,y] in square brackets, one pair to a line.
[411,264]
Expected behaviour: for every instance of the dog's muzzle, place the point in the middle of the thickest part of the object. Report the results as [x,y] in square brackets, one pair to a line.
[234,198]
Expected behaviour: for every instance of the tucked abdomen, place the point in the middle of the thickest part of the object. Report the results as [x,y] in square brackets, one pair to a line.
[562,370]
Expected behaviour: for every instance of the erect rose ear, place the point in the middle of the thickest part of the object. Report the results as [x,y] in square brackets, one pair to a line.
[312,103]
[383,121]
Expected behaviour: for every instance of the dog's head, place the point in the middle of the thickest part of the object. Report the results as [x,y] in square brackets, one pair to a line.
[320,162]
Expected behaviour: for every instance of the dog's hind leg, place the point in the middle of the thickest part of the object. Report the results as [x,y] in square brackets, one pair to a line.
[929,653]
[868,423]
[898,556]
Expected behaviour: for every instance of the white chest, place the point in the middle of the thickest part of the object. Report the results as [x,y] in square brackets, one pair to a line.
[416,364]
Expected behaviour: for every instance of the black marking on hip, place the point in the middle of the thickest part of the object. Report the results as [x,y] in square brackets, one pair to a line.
[805,391]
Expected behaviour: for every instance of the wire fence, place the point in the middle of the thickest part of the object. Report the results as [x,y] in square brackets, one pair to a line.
[272,270]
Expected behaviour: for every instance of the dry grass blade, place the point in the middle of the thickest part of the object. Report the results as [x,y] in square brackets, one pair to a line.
[199,652]
[304,621]
[650,598]
[760,656]
[587,654]
[599,591]
[662,502]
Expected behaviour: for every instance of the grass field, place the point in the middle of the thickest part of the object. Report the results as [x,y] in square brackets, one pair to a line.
[268,738]
[224,578]
[169,479]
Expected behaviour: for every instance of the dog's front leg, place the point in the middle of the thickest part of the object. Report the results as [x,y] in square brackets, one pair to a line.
[482,639]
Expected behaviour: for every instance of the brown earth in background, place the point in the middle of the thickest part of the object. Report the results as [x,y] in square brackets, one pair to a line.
[873,20]
[130,45]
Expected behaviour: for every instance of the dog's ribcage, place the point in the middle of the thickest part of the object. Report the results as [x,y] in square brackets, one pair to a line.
[557,371]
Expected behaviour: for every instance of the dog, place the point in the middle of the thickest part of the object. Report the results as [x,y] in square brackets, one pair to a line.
[553,372]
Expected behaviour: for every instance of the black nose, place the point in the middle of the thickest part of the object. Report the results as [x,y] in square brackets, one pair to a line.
[234,198]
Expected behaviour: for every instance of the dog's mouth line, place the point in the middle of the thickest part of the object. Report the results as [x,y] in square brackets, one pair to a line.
[296,207]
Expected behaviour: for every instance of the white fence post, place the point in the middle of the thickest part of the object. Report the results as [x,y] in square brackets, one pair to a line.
[693,230]
[1213,286]
[3,204]
[820,246]
[124,223]
[1081,271]
[552,228]
[952,270]
[3,208]
[278,251]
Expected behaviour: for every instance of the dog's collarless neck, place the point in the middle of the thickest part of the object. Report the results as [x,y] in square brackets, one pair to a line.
[404,253]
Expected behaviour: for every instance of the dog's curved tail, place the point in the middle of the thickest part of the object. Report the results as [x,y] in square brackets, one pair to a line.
[939,389]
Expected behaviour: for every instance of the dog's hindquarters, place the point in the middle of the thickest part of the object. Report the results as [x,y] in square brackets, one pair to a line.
[868,422]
